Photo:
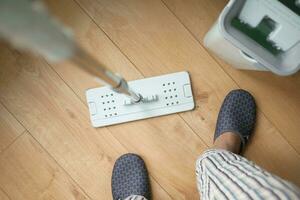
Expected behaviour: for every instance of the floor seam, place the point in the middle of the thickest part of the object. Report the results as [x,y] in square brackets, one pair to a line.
[12,142]
[195,132]
[62,168]
[4,192]
[20,123]
[29,133]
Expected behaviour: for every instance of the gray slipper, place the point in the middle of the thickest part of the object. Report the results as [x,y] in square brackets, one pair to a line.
[237,115]
[130,177]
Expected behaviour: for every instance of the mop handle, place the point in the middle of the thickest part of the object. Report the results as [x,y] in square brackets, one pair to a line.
[28,25]
[89,64]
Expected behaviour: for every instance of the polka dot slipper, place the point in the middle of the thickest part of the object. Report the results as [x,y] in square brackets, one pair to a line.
[130,177]
[237,115]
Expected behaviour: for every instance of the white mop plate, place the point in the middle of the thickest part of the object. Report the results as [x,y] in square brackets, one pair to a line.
[173,93]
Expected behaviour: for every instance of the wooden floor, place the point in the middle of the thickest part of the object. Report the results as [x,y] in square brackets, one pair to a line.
[48,149]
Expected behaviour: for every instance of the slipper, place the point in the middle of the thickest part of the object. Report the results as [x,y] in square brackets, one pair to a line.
[237,115]
[130,177]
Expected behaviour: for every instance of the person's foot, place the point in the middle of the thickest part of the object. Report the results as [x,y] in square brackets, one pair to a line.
[235,122]
[228,141]
[130,177]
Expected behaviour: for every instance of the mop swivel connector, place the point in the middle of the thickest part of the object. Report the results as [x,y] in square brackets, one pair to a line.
[147,99]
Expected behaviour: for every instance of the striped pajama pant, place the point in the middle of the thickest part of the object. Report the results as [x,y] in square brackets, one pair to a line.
[225,175]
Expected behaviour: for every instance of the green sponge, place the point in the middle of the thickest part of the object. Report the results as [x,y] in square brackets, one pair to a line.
[259,34]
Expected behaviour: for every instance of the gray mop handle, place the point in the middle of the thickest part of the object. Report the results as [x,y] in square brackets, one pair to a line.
[85,61]
[28,25]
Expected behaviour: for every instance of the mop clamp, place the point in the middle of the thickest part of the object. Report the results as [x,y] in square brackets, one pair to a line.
[147,99]
[122,87]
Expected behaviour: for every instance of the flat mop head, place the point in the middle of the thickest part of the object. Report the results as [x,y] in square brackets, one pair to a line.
[162,95]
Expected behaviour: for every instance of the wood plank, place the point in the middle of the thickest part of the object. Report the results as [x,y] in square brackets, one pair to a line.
[202,14]
[27,172]
[162,46]
[10,128]
[278,97]
[59,121]
[177,174]
[269,149]
[100,46]
[154,40]
[3,196]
